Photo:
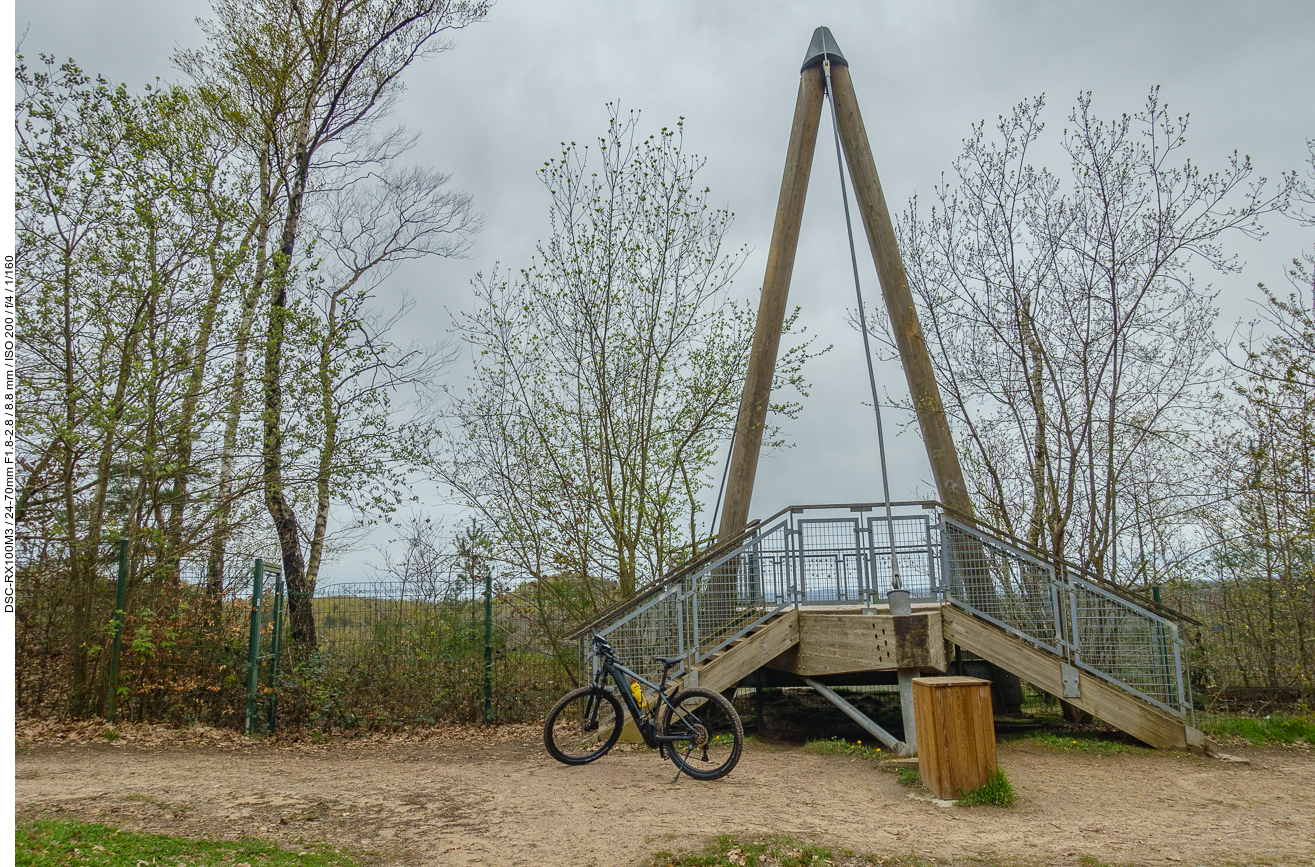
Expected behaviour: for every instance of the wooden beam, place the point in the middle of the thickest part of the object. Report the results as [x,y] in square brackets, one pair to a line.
[843,643]
[772,304]
[908,334]
[1123,711]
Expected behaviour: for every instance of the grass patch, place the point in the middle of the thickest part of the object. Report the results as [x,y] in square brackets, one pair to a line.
[908,777]
[842,747]
[776,852]
[1078,743]
[49,843]
[998,792]
[1273,729]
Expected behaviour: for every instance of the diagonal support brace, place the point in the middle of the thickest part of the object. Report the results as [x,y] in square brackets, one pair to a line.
[859,717]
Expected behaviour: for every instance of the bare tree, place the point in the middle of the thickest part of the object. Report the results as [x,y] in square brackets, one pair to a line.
[1067,329]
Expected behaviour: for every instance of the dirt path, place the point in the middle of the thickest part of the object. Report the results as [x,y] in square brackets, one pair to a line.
[508,803]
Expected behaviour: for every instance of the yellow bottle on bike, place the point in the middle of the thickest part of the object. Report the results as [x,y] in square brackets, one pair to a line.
[638,694]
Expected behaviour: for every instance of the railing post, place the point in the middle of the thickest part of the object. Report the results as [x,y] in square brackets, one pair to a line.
[276,649]
[1056,609]
[681,643]
[120,591]
[1184,703]
[695,639]
[1075,630]
[253,647]
[933,586]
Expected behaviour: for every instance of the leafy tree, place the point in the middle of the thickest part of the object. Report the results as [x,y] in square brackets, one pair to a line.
[304,87]
[606,372]
[130,232]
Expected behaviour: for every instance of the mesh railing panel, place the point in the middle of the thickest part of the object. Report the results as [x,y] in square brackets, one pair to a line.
[773,567]
[733,593]
[1119,641]
[830,561]
[1002,584]
[914,551]
[651,628]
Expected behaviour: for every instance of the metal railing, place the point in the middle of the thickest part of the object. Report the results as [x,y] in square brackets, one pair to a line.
[845,559]
[790,560]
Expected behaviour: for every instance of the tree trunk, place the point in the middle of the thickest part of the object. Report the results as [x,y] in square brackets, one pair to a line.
[300,591]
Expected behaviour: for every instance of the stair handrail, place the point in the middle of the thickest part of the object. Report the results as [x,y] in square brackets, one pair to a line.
[1064,565]
[674,576]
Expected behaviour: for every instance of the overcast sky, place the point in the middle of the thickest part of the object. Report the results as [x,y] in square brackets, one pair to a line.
[537,73]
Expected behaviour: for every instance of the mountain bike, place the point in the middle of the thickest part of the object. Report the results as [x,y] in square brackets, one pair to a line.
[697,728]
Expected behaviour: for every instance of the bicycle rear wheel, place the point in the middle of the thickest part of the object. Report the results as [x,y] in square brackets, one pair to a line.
[712,736]
[582,726]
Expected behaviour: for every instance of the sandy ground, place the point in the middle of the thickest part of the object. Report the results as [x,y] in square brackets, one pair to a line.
[452,802]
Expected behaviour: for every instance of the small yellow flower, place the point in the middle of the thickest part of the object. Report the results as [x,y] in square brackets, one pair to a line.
[860,743]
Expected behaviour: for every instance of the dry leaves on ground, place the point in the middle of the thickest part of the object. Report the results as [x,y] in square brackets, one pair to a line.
[49,732]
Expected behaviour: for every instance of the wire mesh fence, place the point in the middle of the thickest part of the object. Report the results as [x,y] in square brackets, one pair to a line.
[1130,647]
[1003,584]
[384,654]
[183,648]
[1088,626]
[830,560]
[394,654]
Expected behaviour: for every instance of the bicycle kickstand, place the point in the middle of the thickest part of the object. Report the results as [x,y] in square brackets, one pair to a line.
[681,768]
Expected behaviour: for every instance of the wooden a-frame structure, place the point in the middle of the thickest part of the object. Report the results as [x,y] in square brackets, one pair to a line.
[776,287]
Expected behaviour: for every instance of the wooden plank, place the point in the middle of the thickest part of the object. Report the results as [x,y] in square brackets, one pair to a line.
[835,643]
[1125,712]
[747,657]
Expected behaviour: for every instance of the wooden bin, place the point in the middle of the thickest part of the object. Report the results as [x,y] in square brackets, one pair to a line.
[956,734]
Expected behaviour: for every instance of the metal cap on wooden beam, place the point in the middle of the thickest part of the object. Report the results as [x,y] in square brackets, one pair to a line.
[823,46]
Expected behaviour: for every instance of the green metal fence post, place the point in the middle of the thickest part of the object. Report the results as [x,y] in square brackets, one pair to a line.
[278,646]
[253,652]
[488,647]
[119,593]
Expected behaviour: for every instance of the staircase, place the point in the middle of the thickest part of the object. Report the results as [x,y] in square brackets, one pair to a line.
[802,593]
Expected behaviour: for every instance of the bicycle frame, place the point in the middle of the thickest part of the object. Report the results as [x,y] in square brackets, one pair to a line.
[647,730]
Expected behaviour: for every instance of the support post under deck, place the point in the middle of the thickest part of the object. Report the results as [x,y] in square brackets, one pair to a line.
[901,605]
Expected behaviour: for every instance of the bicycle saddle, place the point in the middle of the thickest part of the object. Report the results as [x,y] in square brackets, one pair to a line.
[668,661]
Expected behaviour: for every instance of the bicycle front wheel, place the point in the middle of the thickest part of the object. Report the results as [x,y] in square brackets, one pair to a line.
[711,734]
[582,726]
